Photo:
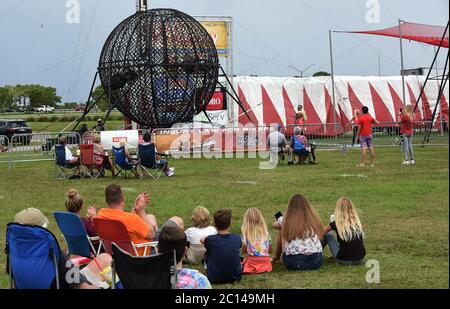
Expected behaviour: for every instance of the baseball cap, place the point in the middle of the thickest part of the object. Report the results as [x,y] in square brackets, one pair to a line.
[31,216]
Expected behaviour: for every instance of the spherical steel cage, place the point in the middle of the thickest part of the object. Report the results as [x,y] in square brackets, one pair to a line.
[159,67]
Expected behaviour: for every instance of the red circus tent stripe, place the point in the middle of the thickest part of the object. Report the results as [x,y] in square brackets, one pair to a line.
[413,100]
[354,101]
[270,114]
[310,111]
[330,129]
[289,111]
[427,114]
[382,113]
[242,117]
[398,103]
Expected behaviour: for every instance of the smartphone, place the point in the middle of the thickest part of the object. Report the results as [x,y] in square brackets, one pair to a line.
[278,215]
[401,110]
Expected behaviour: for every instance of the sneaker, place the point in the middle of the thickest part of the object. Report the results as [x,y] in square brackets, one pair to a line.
[170,174]
[406,162]
[412,162]
[290,163]
[372,165]
[360,165]
[172,169]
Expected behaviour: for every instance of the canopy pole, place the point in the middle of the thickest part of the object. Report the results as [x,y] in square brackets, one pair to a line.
[332,83]
[437,81]
[401,59]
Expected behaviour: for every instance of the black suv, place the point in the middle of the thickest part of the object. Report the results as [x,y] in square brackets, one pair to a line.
[11,127]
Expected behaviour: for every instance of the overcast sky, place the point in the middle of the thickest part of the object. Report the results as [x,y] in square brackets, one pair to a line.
[276,38]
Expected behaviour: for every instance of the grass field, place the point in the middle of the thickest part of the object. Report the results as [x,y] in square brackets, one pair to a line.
[404,210]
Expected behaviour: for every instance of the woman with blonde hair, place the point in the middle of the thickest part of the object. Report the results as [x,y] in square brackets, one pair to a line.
[300,236]
[256,243]
[349,248]
[74,203]
[406,121]
[201,227]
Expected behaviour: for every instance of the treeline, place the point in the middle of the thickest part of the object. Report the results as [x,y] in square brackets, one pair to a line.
[21,95]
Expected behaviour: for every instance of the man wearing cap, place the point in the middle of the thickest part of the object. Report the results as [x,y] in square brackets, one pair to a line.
[33,216]
[100,126]
[277,142]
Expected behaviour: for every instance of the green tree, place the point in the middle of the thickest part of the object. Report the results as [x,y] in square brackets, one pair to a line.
[321,73]
[6,97]
[99,98]
[41,95]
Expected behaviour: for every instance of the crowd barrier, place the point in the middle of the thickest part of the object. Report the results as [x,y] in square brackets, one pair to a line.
[38,147]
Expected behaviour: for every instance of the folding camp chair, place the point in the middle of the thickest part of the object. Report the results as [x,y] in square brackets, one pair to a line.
[122,166]
[33,256]
[149,272]
[78,241]
[115,231]
[147,161]
[62,169]
[88,164]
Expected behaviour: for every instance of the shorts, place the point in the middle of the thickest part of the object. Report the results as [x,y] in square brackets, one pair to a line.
[169,222]
[366,141]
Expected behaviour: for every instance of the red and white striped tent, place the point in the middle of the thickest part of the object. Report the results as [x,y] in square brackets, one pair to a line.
[270,100]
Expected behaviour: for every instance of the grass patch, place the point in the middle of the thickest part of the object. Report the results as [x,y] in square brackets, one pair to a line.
[404,209]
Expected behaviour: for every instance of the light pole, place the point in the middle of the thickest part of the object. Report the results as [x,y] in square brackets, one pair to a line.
[301,71]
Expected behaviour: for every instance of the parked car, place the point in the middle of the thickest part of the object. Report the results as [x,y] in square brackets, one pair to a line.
[45,109]
[11,127]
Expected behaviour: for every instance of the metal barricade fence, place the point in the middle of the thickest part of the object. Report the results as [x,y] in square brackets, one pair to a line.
[37,147]
[4,150]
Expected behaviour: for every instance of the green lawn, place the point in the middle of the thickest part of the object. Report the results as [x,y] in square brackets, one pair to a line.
[404,210]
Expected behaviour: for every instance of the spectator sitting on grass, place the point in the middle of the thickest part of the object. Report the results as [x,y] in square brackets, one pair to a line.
[299,236]
[349,247]
[172,237]
[222,257]
[256,243]
[200,228]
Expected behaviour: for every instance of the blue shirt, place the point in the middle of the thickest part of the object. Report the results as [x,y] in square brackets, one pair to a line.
[223,258]
[298,145]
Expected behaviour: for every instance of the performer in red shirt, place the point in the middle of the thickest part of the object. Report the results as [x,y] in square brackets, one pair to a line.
[406,121]
[365,123]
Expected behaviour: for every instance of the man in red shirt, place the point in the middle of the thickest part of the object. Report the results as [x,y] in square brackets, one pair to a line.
[365,135]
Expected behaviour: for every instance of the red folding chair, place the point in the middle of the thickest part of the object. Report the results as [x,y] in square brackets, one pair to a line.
[113,231]
[88,164]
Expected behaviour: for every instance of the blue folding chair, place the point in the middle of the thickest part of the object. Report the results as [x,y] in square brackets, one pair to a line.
[147,161]
[77,239]
[63,170]
[123,167]
[33,256]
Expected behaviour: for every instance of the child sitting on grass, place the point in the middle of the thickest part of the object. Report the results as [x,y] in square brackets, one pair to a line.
[201,228]
[256,243]
[349,247]
[222,257]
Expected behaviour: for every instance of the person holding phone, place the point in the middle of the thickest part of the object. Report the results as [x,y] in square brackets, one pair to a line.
[406,121]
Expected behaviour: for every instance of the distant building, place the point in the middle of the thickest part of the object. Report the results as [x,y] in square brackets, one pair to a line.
[21,102]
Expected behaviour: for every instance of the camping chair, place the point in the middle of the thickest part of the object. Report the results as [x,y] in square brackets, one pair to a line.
[88,164]
[122,167]
[115,231]
[147,161]
[62,169]
[33,256]
[149,272]
[78,241]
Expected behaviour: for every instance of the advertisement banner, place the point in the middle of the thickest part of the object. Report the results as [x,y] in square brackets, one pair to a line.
[217,117]
[113,138]
[195,140]
[218,30]
[217,102]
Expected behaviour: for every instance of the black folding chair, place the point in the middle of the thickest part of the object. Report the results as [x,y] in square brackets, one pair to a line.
[147,161]
[144,272]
